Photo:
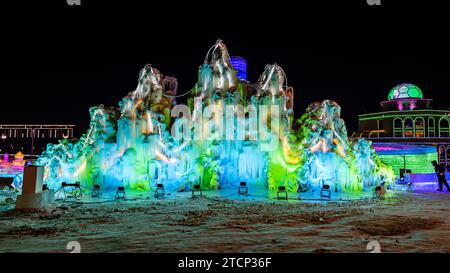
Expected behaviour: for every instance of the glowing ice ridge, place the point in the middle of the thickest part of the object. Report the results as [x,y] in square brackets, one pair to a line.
[132,146]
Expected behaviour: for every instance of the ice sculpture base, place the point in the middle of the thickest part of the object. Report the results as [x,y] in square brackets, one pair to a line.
[35,200]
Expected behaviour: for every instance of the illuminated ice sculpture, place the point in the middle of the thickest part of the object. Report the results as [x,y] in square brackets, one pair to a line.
[230,131]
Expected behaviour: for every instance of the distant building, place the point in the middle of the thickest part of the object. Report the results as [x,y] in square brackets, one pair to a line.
[240,64]
[408,131]
[31,139]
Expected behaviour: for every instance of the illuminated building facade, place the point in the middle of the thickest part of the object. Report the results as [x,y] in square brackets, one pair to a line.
[408,131]
[240,65]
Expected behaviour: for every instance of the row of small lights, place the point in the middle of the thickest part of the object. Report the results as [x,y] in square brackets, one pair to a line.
[3,137]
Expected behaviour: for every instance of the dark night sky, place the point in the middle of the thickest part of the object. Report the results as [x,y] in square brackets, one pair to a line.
[56,62]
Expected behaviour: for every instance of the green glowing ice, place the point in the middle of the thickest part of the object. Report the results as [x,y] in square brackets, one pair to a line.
[416,163]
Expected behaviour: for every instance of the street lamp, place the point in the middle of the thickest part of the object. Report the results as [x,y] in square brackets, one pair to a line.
[32,141]
[3,137]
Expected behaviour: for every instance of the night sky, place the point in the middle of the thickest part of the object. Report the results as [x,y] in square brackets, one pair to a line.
[57,61]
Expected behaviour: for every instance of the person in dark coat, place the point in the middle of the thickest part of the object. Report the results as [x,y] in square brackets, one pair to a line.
[440,172]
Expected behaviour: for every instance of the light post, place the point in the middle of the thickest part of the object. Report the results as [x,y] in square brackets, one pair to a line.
[402,176]
[404,161]
[32,141]
[4,137]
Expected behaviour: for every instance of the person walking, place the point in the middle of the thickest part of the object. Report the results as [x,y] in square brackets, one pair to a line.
[440,172]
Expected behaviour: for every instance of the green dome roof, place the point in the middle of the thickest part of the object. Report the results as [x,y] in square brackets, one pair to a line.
[405,91]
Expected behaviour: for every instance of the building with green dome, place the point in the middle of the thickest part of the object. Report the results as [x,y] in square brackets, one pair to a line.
[408,120]
[405,91]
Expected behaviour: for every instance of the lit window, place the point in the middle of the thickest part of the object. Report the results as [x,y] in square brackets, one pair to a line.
[409,127]
[431,127]
[444,127]
[419,127]
[398,127]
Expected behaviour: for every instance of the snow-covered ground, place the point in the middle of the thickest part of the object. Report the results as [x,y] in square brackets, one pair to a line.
[223,221]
